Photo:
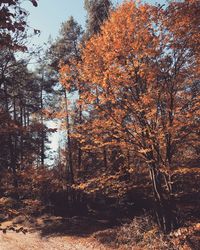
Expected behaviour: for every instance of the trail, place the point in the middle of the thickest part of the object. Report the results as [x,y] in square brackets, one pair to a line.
[33,241]
[50,233]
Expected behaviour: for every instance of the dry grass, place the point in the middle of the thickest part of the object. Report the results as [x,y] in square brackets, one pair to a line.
[140,233]
[143,233]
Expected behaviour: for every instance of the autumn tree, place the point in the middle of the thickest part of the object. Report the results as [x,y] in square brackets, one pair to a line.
[139,74]
[23,131]
[14,114]
[12,22]
[97,13]
[66,50]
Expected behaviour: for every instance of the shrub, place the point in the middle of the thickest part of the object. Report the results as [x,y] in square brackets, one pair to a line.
[141,233]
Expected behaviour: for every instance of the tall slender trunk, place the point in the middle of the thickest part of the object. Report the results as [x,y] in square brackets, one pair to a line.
[79,144]
[69,163]
[13,163]
[42,153]
[11,145]
[21,135]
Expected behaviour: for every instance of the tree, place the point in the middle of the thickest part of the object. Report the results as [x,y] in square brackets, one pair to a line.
[23,134]
[66,45]
[14,74]
[66,50]
[97,13]
[12,22]
[138,74]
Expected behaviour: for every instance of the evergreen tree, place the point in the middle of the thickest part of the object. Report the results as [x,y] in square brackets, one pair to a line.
[97,12]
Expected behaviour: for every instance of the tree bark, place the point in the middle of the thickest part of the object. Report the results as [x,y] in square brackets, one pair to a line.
[42,153]
[79,144]
[69,163]
[163,203]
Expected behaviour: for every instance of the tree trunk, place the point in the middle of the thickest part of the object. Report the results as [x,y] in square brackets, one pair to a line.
[42,153]
[163,203]
[13,165]
[79,144]
[69,163]
[12,146]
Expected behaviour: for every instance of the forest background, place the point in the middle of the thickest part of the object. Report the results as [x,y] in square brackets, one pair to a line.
[125,93]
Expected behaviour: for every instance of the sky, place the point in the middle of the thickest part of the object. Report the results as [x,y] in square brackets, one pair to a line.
[49,15]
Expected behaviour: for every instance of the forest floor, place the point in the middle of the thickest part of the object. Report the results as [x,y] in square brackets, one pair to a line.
[82,233]
[23,231]
[34,241]
[49,233]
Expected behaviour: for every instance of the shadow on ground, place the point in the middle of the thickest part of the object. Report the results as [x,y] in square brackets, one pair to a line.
[75,226]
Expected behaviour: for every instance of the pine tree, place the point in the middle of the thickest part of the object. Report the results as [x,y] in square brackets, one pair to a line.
[97,13]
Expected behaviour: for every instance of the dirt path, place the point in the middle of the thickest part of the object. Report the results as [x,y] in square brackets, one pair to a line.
[50,233]
[33,241]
